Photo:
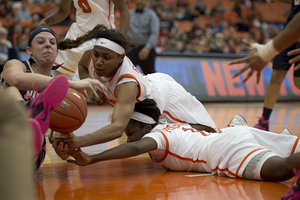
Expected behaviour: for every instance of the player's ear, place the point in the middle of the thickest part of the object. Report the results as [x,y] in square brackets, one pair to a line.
[148,128]
[28,51]
[121,58]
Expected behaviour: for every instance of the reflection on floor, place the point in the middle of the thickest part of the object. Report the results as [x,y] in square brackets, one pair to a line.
[140,178]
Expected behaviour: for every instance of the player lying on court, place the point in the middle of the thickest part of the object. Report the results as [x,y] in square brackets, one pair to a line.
[125,86]
[237,152]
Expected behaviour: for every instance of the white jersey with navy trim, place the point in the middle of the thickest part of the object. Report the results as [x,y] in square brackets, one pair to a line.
[175,103]
[181,148]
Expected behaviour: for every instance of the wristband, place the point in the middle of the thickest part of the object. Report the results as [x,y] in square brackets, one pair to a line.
[266,51]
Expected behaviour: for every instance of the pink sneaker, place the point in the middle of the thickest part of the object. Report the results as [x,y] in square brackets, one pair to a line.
[38,136]
[262,124]
[51,97]
[294,192]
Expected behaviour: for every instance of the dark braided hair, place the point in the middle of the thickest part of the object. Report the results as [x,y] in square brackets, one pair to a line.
[149,108]
[99,31]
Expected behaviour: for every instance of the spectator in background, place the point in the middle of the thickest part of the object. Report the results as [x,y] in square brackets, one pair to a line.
[23,13]
[18,34]
[4,46]
[143,34]
[200,6]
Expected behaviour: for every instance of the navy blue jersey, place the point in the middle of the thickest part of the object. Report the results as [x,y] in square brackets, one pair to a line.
[295,8]
[26,94]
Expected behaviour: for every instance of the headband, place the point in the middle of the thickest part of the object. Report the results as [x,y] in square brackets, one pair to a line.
[142,118]
[39,30]
[103,42]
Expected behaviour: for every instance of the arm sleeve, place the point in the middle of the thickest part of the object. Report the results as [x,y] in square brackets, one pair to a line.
[161,145]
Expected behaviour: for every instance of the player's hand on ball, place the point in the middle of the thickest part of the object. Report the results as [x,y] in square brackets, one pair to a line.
[69,139]
[59,147]
[100,100]
[81,158]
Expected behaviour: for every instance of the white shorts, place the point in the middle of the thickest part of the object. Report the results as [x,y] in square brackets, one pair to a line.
[71,57]
[232,150]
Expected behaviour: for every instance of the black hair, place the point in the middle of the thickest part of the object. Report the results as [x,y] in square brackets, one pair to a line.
[99,31]
[147,107]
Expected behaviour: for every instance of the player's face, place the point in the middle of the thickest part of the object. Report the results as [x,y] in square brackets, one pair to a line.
[106,61]
[43,48]
[134,132]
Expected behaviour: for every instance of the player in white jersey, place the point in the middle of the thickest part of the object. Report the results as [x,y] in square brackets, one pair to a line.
[89,13]
[237,152]
[125,86]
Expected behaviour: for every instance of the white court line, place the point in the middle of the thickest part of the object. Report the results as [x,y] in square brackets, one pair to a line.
[198,175]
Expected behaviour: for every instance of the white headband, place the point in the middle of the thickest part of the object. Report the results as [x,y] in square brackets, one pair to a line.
[142,118]
[103,42]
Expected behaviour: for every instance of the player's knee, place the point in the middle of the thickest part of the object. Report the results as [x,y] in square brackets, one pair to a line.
[277,76]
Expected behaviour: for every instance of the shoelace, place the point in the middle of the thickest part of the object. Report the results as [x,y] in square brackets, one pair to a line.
[34,88]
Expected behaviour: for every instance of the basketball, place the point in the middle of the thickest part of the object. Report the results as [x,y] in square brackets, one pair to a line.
[70,114]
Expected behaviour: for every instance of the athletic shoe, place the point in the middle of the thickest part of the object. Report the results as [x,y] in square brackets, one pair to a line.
[237,120]
[294,192]
[262,124]
[286,132]
[51,97]
[38,136]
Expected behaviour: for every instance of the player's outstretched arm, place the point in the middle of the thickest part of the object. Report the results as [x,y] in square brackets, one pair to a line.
[258,58]
[122,151]
[254,62]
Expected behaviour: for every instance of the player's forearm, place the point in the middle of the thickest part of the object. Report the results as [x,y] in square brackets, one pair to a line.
[289,35]
[122,151]
[24,81]
[105,134]
[124,22]
[55,17]
[83,72]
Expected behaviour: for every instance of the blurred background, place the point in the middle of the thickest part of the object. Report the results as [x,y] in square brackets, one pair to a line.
[197,40]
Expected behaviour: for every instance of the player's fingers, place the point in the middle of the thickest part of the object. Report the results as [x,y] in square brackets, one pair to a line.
[241,71]
[248,76]
[71,161]
[54,143]
[297,67]
[66,148]
[295,59]
[51,137]
[246,43]
[293,52]
[238,61]
[258,77]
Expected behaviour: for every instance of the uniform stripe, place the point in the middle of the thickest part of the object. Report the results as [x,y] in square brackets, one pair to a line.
[90,59]
[169,114]
[109,4]
[167,149]
[65,68]
[237,172]
[129,76]
[295,145]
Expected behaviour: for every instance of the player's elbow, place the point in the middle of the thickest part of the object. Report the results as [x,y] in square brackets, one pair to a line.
[136,148]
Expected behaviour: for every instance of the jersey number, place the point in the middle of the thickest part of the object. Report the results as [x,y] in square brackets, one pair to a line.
[85,6]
